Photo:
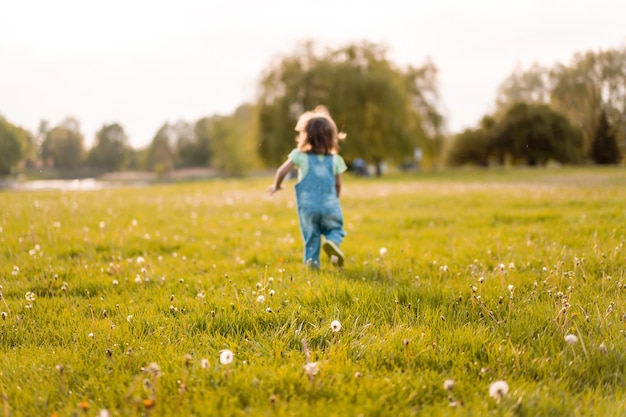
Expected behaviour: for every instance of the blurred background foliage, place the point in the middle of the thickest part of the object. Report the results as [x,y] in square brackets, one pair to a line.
[393,116]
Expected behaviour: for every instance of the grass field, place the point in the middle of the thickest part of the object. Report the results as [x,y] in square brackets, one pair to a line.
[123,302]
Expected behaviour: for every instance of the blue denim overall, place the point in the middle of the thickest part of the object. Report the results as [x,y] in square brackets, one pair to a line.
[318,207]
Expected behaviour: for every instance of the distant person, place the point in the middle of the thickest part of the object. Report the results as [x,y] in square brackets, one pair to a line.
[319,165]
[359,167]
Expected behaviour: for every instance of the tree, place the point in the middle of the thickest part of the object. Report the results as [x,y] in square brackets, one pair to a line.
[234,141]
[592,83]
[160,153]
[534,134]
[377,104]
[111,148]
[532,86]
[13,146]
[604,149]
[203,146]
[63,146]
[470,147]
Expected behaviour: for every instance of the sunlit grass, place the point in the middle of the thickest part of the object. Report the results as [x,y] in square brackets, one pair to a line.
[466,276]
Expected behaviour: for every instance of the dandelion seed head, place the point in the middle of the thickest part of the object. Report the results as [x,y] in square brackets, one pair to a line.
[204,363]
[382,252]
[571,339]
[260,299]
[448,384]
[30,296]
[498,389]
[226,357]
[335,326]
[311,368]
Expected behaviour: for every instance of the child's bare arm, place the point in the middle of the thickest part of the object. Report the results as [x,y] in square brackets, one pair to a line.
[281,173]
[338,184]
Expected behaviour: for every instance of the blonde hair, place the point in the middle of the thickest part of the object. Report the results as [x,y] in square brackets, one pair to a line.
[304,139]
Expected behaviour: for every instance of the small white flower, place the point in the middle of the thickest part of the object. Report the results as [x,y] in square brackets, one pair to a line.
[335,326]
[511,288]
[129,318]
[272,292]
[498,389]
[311,368]
[382,251]
[116,282]
[204,363]
[154,369]
[448,384]
[104,413]
[16,270]
[571,339]
[501,267]
[511,265]
[269,310]
[602,346]
[140,260]
[260,299]
[91,335]
[226,357]
[30,296]
[102,225]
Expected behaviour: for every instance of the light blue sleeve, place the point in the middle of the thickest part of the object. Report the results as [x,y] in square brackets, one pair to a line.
[296,157]
[339,165]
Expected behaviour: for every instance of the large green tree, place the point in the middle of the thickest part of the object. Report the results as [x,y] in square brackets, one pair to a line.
[534,134]
[383,109]
[14,143]
[592,83]
[110,151]
[604,148]
[63,146]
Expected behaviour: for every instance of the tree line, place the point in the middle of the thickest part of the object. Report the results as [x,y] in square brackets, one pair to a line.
[570,114]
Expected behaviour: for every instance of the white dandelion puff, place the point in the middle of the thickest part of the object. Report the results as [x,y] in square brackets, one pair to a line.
[311,369]
[226,357]
[571,339]
[448,384]
[335,326]
[498,389]
[382,252]
[30,296]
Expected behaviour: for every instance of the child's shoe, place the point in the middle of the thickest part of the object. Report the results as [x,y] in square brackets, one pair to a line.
[333,251]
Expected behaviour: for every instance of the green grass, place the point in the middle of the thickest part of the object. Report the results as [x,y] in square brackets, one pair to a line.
[485,273]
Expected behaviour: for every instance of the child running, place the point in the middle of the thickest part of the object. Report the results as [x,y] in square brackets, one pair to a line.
[319,185]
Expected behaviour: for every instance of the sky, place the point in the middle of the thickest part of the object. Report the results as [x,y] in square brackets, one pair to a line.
[142,63]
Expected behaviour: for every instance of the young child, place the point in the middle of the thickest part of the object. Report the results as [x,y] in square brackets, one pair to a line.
[319,185]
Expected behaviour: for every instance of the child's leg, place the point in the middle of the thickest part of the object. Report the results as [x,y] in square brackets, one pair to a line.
[309,225]
[332,225]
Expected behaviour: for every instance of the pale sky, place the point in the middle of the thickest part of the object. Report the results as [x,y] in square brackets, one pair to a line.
[142,63]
